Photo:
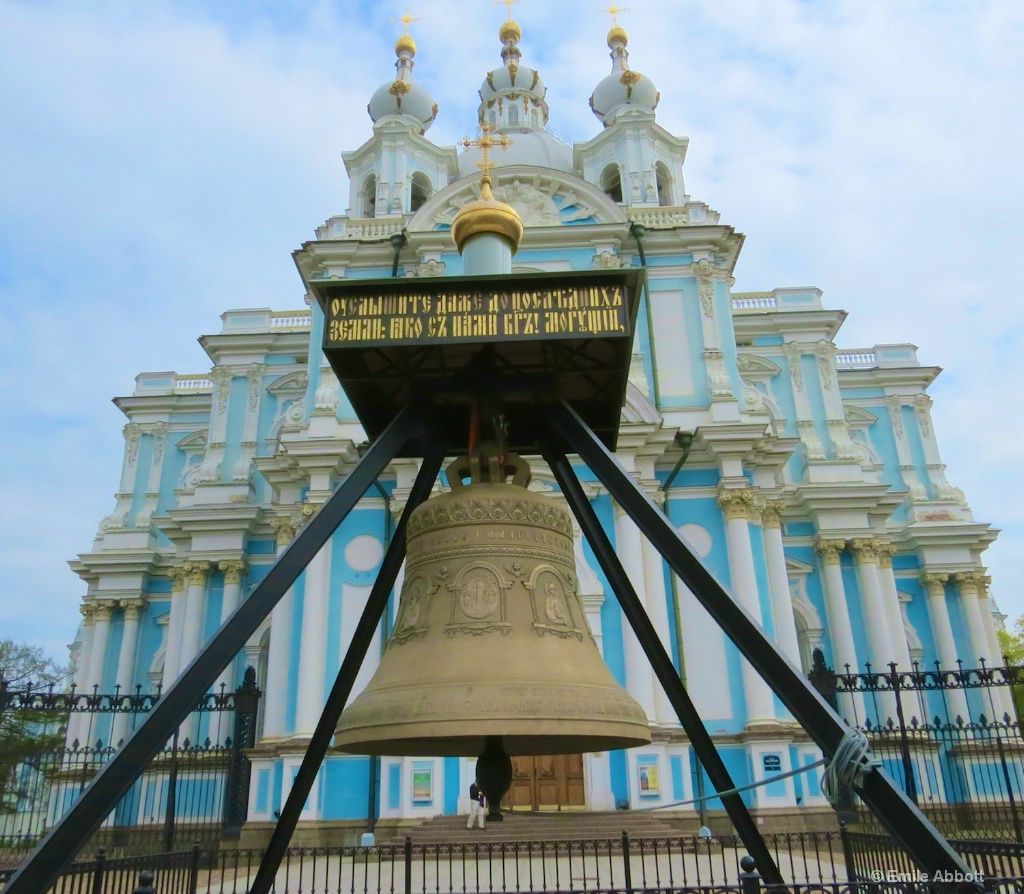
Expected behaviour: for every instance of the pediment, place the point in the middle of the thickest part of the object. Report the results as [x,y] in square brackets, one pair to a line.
[290,383]
[638,407]
[543,198]
[195,441]
[859,416]
[754,366]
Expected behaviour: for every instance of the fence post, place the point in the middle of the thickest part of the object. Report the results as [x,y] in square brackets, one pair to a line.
[171,807]
[97,875]
[236,795]
[193,870]
[627,871]
[145,885]
[851,868]
[750,879]
[408,864]
[909,783]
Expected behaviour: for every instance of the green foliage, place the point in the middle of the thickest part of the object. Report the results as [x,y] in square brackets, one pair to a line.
[25,733]
[1012,644]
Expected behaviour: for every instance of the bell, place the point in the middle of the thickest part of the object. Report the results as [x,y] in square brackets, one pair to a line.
[491,645]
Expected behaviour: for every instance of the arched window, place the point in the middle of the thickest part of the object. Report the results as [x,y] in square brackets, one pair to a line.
[513,115]
[664,179]
[369,196]
[420,190]
[611,182]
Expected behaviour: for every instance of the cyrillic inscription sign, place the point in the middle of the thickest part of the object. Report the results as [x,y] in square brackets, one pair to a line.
[454,313]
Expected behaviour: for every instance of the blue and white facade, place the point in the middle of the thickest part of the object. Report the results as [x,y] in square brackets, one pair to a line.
[812,485]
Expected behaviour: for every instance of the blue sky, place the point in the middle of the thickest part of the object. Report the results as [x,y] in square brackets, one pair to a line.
[159,161]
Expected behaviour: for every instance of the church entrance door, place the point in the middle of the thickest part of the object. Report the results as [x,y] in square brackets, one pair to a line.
[547,782]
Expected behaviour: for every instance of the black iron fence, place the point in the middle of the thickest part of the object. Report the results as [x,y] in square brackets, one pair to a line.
[170,873]
[194,790]
[950,737]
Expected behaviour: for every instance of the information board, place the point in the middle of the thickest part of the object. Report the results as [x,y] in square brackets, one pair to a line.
[435,313]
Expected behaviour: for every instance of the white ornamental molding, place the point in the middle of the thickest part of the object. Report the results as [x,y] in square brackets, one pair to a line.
[255,376]
[794,352]
[704,272]
[132,433]
[221,377]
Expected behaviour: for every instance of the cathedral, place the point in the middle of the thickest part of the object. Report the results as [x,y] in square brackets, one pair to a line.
[807,476]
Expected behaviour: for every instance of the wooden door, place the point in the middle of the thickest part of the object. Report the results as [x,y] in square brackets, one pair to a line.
[546,782]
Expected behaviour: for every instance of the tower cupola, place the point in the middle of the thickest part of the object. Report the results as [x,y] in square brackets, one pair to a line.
[402,96]
[624,89]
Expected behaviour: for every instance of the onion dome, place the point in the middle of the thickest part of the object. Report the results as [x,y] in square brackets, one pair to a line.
[624,89]
[402,96]
[512,102]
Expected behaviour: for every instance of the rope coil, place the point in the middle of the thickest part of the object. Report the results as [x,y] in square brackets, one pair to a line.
[849,766]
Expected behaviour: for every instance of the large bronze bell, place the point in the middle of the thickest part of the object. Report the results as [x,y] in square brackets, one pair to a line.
[491,639]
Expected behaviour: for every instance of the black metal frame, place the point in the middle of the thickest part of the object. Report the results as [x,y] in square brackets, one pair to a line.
[903,820]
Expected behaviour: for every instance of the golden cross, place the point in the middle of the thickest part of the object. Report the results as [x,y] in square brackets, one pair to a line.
[485,142]
[407,18]
[613,10]
[508,5]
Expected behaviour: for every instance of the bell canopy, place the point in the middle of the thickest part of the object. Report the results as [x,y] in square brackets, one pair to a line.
[624,89]
[403,97]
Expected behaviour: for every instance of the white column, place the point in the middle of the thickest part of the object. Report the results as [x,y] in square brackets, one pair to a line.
[279,651]
[970,584]
[222,722]
[657,607]
[865,553]
[195,612]
[175,625]
[78,721]
[737,505]
[841,635]
[122,725]
[192,630]
[639,676]
[599,782]
[778,581]
[313,655]
[987,607]
[101,634]
[893,611]
[935,586]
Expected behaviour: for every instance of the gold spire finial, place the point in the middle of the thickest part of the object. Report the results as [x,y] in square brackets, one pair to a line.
[487,214]
[407,19]
[405,43]
[508,5]
[484,142]
[613,10]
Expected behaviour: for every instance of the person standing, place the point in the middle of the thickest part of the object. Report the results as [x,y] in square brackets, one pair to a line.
[476,805]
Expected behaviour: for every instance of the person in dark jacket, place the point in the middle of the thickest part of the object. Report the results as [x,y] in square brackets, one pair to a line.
[476,805]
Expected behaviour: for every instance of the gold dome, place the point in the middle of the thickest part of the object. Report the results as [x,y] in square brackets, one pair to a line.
[487,215]
[617,35]
[405,44]
[510,31]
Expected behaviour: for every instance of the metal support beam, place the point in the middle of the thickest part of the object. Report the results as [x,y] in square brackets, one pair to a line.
[376,604]
[662,665]
[890,804]
[61,843]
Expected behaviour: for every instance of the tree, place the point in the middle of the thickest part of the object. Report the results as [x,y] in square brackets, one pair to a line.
[1012,646]
[25,732]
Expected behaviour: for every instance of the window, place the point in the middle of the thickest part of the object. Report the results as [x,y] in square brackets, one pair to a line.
[664,180]
[369,196]
[420,191]
[611,182]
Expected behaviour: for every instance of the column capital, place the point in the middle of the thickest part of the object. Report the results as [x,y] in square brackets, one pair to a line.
[970,581]
[178,576]
[739,502]
[886,551]
[197,573]
[866,549]
[233,570]
[771,513]
[284,528]
[934,582]
[657,496]
[829,550]
[133,608]
[104,609]
[984,585]
[88,613]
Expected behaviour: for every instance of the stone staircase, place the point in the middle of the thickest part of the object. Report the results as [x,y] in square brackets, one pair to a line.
[566,826]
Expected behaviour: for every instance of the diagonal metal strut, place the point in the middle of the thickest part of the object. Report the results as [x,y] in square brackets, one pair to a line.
[890,804]
[376,604]
[61,843]
[662,665]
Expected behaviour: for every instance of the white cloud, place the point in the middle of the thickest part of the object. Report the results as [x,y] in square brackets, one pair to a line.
[159,162]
